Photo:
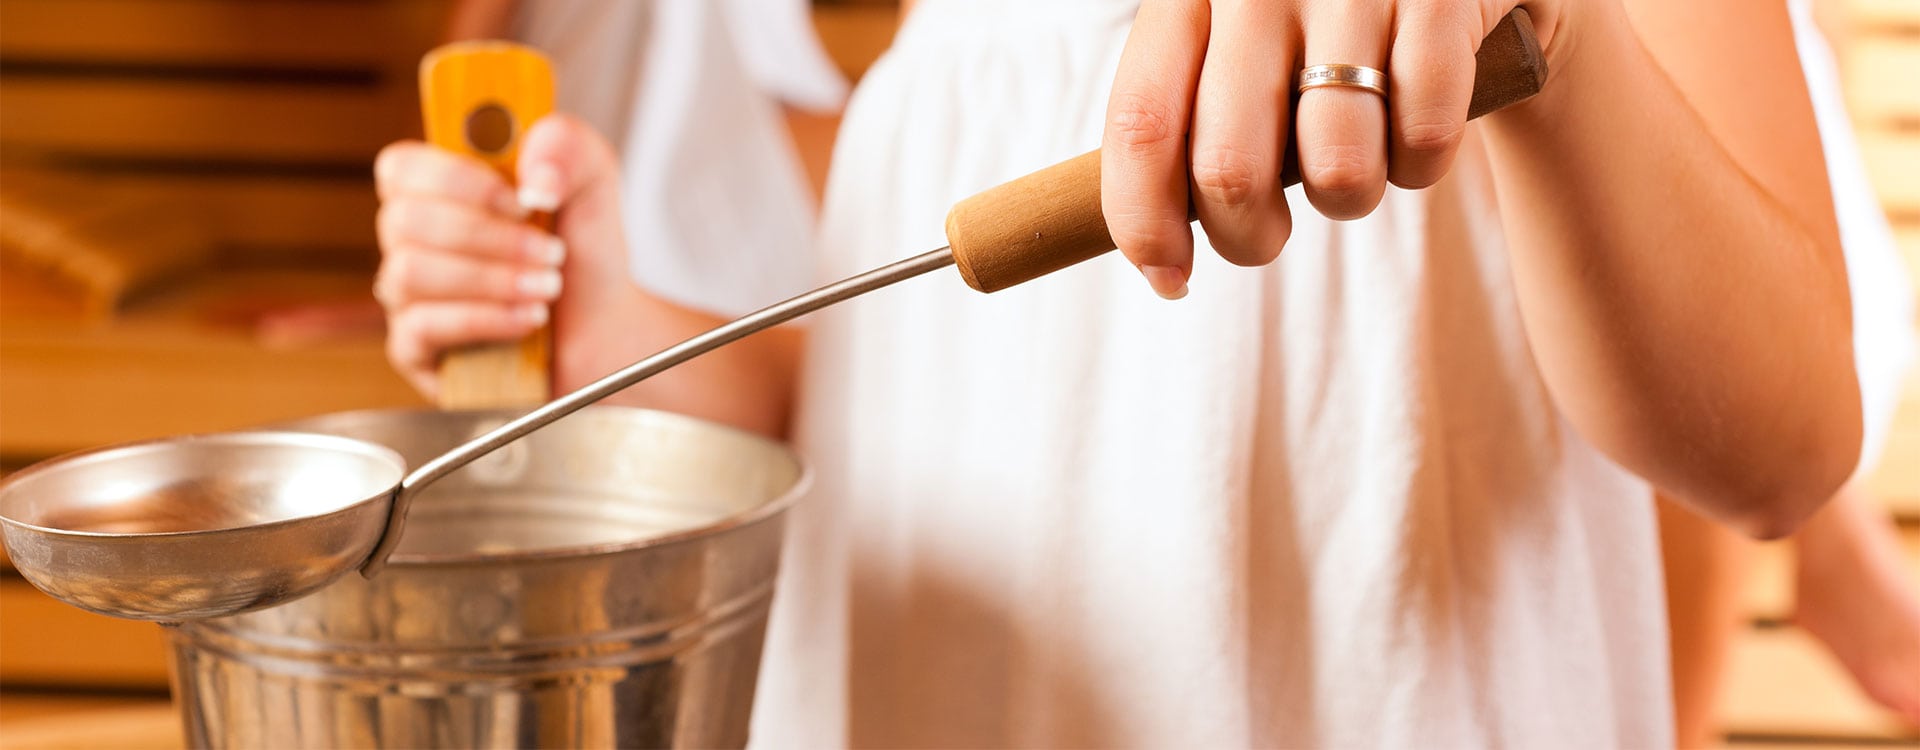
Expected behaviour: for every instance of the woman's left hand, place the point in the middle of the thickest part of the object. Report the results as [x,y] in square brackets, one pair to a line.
[1200,115]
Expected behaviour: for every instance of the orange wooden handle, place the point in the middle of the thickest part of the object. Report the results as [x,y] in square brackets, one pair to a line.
[1051,219]
[477,98]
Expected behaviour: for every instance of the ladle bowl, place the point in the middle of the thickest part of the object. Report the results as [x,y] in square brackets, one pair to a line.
[202,526]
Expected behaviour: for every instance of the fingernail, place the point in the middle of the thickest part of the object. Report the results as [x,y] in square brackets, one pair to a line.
[548,250]
[533,315]
[1167,281]
[540,188]
[541,284]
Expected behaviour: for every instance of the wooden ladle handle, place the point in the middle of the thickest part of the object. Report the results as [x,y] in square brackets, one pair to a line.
[1051,219]
[478,98]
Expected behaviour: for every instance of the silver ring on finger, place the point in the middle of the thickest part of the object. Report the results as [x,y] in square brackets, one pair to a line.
[1344,76]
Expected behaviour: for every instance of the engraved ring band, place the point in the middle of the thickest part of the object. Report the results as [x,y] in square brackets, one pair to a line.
[1349,76]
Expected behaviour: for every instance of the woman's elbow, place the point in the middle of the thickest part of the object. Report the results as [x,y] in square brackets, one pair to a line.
[1772,500]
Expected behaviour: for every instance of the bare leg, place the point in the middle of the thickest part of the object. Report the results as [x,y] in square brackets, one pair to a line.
[1853,592]
[1706,567]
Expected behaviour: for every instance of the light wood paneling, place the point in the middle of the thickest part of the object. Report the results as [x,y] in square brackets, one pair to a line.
[1897,479]
[1898,16]
[1879,78]
[186,362]
[51,721]
[201,119]
[1781,682]
[1769,585]
[45,642]
[288,33]
[1907,234]
[1892,157]
[270,220]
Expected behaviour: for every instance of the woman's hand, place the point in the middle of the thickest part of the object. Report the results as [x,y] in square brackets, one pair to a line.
[462,266]
[1201,116]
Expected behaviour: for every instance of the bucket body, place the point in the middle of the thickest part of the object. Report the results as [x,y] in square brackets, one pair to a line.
[604,582]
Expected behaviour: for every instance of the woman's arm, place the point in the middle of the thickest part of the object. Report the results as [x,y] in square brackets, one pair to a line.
[461,266]
[1678,268]
[1677,258]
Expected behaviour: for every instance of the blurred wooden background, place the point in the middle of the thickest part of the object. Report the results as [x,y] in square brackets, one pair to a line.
[186,245]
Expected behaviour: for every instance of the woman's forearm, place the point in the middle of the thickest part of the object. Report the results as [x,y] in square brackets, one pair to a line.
[1684,317]
[748,384]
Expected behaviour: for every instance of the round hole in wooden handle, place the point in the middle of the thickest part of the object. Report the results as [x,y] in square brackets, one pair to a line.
[1051,219]
[489,128]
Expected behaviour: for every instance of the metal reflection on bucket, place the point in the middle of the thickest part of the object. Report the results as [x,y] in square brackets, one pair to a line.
[615,594]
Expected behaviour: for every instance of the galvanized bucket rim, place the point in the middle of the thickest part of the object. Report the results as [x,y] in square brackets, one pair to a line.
[771,508]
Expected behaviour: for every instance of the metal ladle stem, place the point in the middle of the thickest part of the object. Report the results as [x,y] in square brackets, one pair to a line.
[747,325]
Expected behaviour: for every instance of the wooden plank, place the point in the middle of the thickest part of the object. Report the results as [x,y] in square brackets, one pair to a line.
[271,220]
[1892,158]
[45,642]
[73,724]
[293,33]
[1739,742]
[1906,232]
[1770,583]
[183,362]
[175,119]
[18,705]
[1780,682]
[1888,15]
[1897,479]
[253,218]
[1877,74]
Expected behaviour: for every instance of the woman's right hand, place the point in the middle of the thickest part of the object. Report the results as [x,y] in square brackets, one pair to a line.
[461,265]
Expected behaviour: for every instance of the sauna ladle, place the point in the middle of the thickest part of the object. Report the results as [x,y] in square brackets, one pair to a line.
[139,551]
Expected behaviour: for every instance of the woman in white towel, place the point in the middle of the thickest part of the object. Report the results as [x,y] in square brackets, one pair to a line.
[1382,490]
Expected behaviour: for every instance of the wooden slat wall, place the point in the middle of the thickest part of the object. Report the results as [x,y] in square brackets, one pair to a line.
[260,118]
[1783,683]
[305,34]
[256,119]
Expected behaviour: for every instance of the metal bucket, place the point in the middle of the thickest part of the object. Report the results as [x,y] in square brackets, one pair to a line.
[603,583]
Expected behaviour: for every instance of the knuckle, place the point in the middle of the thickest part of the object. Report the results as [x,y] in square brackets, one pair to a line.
[1139,122]
[1430,132]
[504,283]
[507,242]
[403,340]
[389,285]
[1151,241]
[394,220]
[1341,169]
[1228,176]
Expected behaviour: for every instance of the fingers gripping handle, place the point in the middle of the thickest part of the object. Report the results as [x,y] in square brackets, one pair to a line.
[1051,219]
[478,98]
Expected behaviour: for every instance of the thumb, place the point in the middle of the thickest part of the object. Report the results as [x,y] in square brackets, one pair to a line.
[563,162]
[568,170]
